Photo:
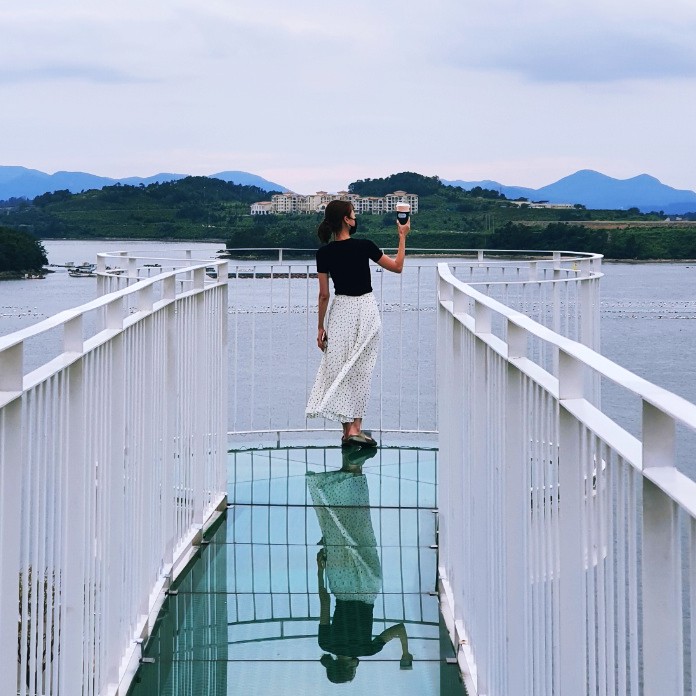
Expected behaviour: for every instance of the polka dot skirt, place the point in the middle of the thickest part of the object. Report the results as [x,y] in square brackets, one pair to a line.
[342,386]
[341,501]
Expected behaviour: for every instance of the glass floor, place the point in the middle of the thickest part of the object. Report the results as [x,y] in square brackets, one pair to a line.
[320,578]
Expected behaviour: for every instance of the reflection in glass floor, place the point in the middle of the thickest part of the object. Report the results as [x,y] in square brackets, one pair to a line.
[320,578]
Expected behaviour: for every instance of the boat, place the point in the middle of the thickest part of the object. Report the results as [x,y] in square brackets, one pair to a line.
[85,270]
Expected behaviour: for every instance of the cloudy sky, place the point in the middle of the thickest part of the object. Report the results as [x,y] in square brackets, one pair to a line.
[313,94]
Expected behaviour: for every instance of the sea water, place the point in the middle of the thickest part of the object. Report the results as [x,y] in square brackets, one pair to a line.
[648,314]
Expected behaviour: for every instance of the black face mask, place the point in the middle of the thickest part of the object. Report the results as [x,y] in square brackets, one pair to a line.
[353,229]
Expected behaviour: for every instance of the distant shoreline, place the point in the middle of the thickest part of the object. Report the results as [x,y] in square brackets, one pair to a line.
[442,252]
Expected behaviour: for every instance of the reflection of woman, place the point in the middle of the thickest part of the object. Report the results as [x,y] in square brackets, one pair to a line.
[350,561]
[351,337]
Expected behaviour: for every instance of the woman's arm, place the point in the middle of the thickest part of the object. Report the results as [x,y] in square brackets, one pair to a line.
[324,597]
[396,264]
[322,304]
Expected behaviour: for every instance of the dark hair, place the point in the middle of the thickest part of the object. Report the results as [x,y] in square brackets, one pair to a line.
[333,219]
[338,672]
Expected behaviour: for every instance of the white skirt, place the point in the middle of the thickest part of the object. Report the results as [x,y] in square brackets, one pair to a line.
[342,503]
[342,386]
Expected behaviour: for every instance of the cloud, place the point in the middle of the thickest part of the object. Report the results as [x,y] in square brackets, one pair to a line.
[601,55]
[585,42]
[83,73]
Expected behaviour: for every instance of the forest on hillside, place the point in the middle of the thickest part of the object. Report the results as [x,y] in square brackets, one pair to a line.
[20,252]
[201,208]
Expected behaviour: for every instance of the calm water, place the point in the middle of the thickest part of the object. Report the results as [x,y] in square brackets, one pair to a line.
[647,316]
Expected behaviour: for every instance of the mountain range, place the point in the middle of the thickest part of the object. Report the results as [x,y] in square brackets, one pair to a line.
[20,182]
[599,191]
[586,187]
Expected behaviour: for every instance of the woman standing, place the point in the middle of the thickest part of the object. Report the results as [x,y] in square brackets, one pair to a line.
[349,332]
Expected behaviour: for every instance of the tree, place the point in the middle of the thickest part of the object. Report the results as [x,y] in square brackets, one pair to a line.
[405,181]
[20,251]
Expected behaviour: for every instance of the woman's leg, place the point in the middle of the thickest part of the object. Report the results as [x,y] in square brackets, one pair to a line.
[353,428]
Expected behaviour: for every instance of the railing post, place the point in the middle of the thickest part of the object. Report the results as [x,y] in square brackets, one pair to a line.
[172,444]
[71,670]
[572,604]
[516,506]
[112,499]
[223,271]
[444,289]
[198,278]
[11,446]
[72,335]
[482,318]
[587,314]
[144,299]
[197,463]
[114,314]
[169,290]
[662,599]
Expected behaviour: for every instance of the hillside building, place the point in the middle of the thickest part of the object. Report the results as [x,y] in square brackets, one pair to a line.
[290,202]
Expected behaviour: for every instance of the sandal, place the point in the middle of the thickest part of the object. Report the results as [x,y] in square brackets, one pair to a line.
[361,439]
[355,457]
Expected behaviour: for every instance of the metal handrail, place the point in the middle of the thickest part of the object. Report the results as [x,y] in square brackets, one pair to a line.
[596,524]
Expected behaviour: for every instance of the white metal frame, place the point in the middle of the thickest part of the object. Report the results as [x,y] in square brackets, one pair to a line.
[112,464]
[273,331]
[567,545]
[149,384]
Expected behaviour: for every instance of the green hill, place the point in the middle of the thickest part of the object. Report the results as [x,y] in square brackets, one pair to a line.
[203,208]
[191,208]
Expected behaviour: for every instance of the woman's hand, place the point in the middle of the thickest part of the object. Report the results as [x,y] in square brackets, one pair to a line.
[322,339]
[321,559]
[404,229]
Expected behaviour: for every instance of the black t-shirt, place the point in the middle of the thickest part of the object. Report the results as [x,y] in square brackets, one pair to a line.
[348,264]
[350,632]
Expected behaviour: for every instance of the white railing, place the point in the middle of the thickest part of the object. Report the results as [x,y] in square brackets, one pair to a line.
[112,462]
[90,538]
[273,329]
[567,545]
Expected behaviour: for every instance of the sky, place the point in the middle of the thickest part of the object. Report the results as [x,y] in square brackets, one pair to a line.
[314,94]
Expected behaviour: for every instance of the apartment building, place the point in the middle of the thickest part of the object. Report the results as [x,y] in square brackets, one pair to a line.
[290,202]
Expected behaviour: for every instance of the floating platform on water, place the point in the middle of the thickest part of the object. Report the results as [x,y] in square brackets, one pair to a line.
[279,274]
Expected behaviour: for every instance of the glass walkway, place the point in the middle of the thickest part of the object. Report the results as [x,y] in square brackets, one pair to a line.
[320,577]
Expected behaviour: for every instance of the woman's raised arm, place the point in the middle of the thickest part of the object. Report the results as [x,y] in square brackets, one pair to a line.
[396,264]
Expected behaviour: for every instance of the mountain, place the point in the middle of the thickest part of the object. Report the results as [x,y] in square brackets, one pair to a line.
[599,191]
[20,182]
[249,180]
[511,192]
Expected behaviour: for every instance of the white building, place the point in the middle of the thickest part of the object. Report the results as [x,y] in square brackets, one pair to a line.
[262,208]
[290,202]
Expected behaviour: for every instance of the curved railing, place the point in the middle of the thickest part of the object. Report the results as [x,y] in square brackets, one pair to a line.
[112,462]
[150,357]
[272,325]
[567,554]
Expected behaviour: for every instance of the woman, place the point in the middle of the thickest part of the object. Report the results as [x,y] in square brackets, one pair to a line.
[348,334]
